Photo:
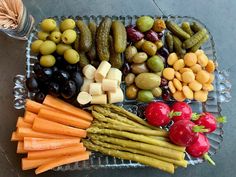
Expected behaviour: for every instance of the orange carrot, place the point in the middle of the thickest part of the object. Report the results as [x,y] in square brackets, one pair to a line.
[35,144]
[16,137]
[20,148]
[28,132]
[62,161]
[27,164]
[46,126]
[22,123]
[63,118]
[29,117]
[34,107]
[66,107]
[56,152]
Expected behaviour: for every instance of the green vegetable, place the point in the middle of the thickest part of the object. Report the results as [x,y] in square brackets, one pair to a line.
[176,30]
[194,39]
[115,58]
[119,36]
[186,27]
[132,129]
[196,27]
[85,40]
[135,137]
[165,166]
[83,59]
[181,163]
[178,47]
[169,42]
[147,81]
[198,45]
[164,152]
[145,96]
[102,39]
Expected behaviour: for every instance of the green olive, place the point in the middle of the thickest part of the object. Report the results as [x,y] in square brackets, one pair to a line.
[55,36]
[130,52]
[68,36]
[139,44]
[43,35]
[61,48]
[147,81]
[71,56]
[156,92]
[48,25]
[155,63]
[129,79]
[47,47]
[145,96]
[47,60]
[139,68]
[139,57]
[159,44]
[36,45]
[149,47]
[131,92]
[67,24]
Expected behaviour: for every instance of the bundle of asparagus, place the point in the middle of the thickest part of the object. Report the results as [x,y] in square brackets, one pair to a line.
[122,134]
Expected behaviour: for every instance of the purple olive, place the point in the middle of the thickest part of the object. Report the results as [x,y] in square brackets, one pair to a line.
[164,82]
[163,52]
[160,35]
[151,36]
[126,69]
[133,34]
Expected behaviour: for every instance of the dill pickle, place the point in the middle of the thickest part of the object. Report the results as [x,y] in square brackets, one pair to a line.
[76,43]
[176,30]
[85,40]
[83,59]
[194,39]
[196,27]
[178,46]
[119,36]
[186,27]
[115,58]
[102,39]
[169,42]
[198,45]
[92,53]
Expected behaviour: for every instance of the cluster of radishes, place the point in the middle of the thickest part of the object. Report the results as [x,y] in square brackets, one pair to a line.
[188,128]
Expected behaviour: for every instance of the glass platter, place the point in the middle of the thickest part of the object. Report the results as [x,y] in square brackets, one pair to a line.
[215,98]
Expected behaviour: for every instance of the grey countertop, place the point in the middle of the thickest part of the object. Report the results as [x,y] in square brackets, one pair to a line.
[219,16]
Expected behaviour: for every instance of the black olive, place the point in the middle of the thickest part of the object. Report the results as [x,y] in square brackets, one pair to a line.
[61,76]
[60,61]
[54,69]
[54,89]
[32,84]
[68,90]
[79,80]
[37,68]
[45,74]
[39,97]
[71,68]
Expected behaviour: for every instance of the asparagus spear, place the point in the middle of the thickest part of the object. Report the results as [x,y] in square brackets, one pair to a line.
[135,137]
[160,151]
[120,118]
[165,166]
[131,129]
[129,115]
[182,163]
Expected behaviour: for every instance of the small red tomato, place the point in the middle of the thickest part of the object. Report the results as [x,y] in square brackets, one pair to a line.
[184,108]
[185,132]
[200,147]
[157,113]
[209,121]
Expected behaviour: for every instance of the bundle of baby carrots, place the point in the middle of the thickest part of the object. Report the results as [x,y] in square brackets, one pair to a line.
[50,134]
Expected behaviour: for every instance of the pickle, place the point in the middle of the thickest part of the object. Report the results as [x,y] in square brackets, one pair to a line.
[186,27]
[119,36]
[102,39]
[76,43]
[83,59]
[92,54]
[196,27]
[169,42]
[115,58]
[178,47]
[198,45]
[176,30]
[85,40]
[194,39]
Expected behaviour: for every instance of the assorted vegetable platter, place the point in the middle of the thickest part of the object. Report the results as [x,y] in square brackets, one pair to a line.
[92,63]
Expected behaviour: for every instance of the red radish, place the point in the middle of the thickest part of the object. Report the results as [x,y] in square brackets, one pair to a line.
[184,108]
[158,113]
[200,148]
[209,121]
[185,132]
